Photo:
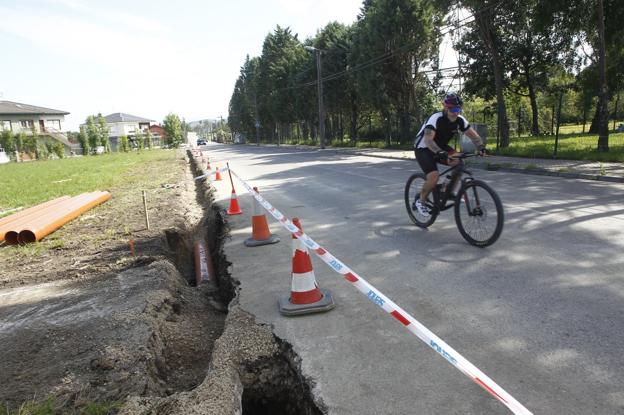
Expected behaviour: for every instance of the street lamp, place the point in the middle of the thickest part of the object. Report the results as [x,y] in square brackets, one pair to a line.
[319,78]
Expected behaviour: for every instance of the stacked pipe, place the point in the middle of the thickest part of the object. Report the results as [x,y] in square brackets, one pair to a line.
[37,222]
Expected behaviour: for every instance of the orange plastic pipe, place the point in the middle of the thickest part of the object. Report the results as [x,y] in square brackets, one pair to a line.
[45,226]
[7,222]
[204,268]
[11,234]
[31,209]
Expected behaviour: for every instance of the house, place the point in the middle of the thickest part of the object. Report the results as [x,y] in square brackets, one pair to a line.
[17,117]
[159,135]
[125,124]
[120,124]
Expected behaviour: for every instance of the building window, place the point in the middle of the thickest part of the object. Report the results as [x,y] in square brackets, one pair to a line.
[27,124]
[54,124]
[5,125]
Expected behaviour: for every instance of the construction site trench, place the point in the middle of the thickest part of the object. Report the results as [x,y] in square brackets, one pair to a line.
[109,332]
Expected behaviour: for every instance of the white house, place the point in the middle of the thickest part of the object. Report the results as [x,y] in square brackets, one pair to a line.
[120,124]
[18,117]
[125,124]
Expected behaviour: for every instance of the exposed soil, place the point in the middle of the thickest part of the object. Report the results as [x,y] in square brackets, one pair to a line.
[83,320]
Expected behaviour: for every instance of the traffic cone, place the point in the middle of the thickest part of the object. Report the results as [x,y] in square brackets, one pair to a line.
[305,295]
[208,165]
[218,175]
[260,233]
[234,209]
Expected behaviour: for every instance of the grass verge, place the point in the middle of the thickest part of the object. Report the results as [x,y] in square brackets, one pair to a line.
[28,184]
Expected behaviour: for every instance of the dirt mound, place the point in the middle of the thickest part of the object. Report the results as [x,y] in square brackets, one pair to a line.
[113,336]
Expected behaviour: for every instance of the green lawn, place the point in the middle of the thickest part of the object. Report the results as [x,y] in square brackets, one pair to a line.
[30,183]
[570,146]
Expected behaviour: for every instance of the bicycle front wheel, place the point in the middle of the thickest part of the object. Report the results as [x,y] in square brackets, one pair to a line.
[412,193]
[479,213]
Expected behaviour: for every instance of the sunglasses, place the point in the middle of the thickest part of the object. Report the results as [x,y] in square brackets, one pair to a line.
[455,109]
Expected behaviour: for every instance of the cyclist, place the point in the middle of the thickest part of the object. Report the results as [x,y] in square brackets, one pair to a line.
[431,145]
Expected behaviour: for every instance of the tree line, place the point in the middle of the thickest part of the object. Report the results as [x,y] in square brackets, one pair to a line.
[519,62]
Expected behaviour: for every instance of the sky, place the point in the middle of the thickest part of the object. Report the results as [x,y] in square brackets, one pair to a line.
[143,57]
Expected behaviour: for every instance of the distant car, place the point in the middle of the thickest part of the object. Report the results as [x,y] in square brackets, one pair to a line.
[201,142]
[620,128]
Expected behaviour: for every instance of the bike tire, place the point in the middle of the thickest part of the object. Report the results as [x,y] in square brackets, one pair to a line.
[412,191]
[475,203]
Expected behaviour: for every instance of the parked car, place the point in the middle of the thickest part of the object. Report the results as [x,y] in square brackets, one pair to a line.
[620,128]
[201,142]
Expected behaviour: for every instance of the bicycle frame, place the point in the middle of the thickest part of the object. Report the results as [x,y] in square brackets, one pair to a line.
[457,171]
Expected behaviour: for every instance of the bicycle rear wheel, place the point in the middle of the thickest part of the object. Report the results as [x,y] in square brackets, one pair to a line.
[412,193]
[479,213]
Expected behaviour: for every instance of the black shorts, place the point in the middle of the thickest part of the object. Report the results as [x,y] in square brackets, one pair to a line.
[427,159]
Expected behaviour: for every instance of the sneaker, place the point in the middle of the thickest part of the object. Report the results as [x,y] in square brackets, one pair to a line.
[422,209]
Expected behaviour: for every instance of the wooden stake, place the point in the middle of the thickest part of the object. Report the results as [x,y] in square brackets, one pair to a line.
[145,209]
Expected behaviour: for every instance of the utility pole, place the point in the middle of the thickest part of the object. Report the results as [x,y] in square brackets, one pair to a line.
[257,122]
[321,110]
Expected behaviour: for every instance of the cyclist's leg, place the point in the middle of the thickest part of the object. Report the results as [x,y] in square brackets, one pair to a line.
[426,159]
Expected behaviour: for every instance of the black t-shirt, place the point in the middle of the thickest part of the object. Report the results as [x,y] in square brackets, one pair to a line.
[443,127]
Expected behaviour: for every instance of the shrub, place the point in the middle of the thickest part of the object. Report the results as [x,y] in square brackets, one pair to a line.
[124,146]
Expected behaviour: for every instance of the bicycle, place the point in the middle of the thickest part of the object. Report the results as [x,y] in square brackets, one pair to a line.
[476,204]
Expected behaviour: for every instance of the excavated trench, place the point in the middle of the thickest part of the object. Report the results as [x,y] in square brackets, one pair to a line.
[266,371]
[275,386]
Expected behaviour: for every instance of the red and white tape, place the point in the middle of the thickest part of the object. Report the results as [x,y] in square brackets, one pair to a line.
[377,297]
[221,170]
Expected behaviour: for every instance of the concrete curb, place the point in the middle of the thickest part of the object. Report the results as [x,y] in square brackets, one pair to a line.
[494,167]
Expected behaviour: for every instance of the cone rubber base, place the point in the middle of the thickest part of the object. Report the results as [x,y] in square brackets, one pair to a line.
[254,242]
[233,212]
[287,308]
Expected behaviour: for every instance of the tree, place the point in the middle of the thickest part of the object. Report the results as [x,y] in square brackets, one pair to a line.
[84,142]
[603,120]
[92,132]
[242,108]
[139,138]
[7,141]
[124,146]
[173,128]
[148,139]
[487,28]
[395,37]
[282,54]
[102,130]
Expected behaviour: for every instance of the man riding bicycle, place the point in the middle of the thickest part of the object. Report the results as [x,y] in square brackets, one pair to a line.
[431,145]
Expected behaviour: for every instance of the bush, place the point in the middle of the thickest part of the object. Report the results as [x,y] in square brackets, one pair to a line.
[59,150]
[124,146]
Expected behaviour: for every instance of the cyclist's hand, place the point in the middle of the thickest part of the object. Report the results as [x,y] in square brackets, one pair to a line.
[442,155]
[482,151]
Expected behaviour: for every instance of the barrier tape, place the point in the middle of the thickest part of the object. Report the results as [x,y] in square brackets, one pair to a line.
[378,298]
[221,170]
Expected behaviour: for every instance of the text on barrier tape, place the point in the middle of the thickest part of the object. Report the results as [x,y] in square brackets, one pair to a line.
[377,297]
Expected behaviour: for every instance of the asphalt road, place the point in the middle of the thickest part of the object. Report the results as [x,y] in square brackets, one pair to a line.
[540,311]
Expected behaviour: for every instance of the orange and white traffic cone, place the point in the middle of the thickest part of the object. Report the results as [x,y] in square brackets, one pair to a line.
[218,175]
[305,295]
[208,164]
[260,233]
[234,209]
